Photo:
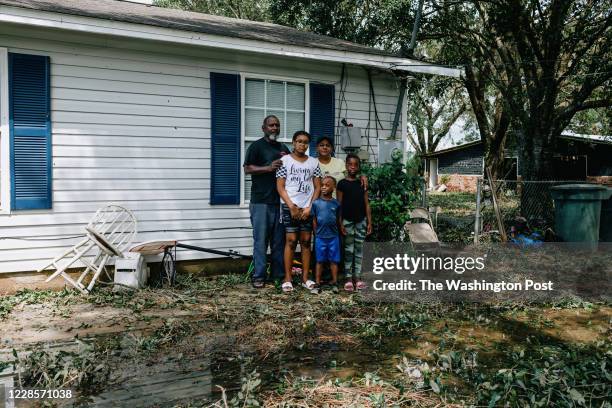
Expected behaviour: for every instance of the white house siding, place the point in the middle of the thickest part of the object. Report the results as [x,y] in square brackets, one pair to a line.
[133,127]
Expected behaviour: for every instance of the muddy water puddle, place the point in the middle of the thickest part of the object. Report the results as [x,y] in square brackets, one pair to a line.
[194,372]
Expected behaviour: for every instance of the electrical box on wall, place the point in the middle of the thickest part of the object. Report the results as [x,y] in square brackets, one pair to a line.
[350,137]
[388,149]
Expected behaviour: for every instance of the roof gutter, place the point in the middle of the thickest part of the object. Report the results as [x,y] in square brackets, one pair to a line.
[92,25]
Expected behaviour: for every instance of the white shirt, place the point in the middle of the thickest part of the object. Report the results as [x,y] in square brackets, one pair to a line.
[299,178]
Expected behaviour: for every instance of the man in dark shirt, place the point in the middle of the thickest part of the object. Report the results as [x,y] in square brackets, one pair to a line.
[261,162]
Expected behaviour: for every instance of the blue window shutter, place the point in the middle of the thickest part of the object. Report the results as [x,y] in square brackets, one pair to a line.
[322,113]
[30,127]
[225,138]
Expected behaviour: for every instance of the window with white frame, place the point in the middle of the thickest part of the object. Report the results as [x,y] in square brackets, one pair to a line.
[284,99]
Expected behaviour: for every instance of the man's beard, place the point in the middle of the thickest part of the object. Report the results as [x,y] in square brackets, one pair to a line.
[273,136]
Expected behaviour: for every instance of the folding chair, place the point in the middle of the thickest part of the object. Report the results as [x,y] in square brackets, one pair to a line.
[110,231]
[421,234]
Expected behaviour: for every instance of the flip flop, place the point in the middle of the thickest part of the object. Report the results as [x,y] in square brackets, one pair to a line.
[308,284]
[348,286]
[361,285]
[287,287]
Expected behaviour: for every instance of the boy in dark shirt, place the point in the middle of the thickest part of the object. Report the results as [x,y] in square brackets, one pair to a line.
[326,218]
[355,222]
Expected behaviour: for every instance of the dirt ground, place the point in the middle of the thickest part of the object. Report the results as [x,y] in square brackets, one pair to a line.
[217,342]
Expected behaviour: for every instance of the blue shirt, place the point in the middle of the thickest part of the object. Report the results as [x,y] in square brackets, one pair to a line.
[326,213]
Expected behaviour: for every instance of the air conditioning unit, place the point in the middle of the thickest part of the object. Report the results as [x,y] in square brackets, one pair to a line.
[388,149]
[131,271]
[350,137]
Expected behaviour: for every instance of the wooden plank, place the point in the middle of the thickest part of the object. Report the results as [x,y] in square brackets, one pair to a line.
[153,142]
[125,86]
[157,78]
[131,152]
[198,110]
[134,120]
[70,229]
[134,174]
[135,185]
[41,256]
[123,195]
[50,248]
[137,163]
[103,95]
[500,222]
[110,129]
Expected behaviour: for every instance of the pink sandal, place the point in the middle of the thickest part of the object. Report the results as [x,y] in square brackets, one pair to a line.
[348,286]
[361,285]
[287,287]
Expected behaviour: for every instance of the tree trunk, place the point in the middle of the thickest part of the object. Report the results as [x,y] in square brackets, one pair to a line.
[537,171]
[494,157]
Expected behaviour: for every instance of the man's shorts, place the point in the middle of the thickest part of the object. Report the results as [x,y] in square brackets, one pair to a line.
[327,249]
[292,225]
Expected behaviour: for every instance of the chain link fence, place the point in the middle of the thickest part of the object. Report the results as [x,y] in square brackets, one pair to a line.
[522,205]
[470,217]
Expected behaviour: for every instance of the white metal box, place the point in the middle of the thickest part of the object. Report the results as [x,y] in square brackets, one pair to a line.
[131,270]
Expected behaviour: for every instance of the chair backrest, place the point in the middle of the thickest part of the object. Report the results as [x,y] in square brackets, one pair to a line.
[116,225]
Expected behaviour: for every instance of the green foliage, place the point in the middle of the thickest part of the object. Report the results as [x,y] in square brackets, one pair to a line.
[247,396]
[392,322]
[171,332]
[382,23]
[546,375]
[444,179]
[85,369]
[244,9]
[29,297]
[121,299]
[393,189]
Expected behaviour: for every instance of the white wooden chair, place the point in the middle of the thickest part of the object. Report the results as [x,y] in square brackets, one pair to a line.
[110,232]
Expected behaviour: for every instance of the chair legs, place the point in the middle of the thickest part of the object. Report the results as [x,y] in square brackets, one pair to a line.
[76,253]
[71,256]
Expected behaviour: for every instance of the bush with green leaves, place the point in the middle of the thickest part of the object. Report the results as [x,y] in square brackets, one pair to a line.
[393,188]
[559,375]
[85,369]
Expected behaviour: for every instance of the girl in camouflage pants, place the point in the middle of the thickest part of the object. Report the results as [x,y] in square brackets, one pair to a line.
[356,222]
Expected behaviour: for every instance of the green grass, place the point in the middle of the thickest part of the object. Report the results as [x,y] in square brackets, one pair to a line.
[453,203]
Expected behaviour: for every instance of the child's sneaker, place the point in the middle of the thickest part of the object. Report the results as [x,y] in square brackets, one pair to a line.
[361,285]
[349,287]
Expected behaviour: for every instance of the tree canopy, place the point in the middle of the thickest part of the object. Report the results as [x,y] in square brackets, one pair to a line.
[536,67]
